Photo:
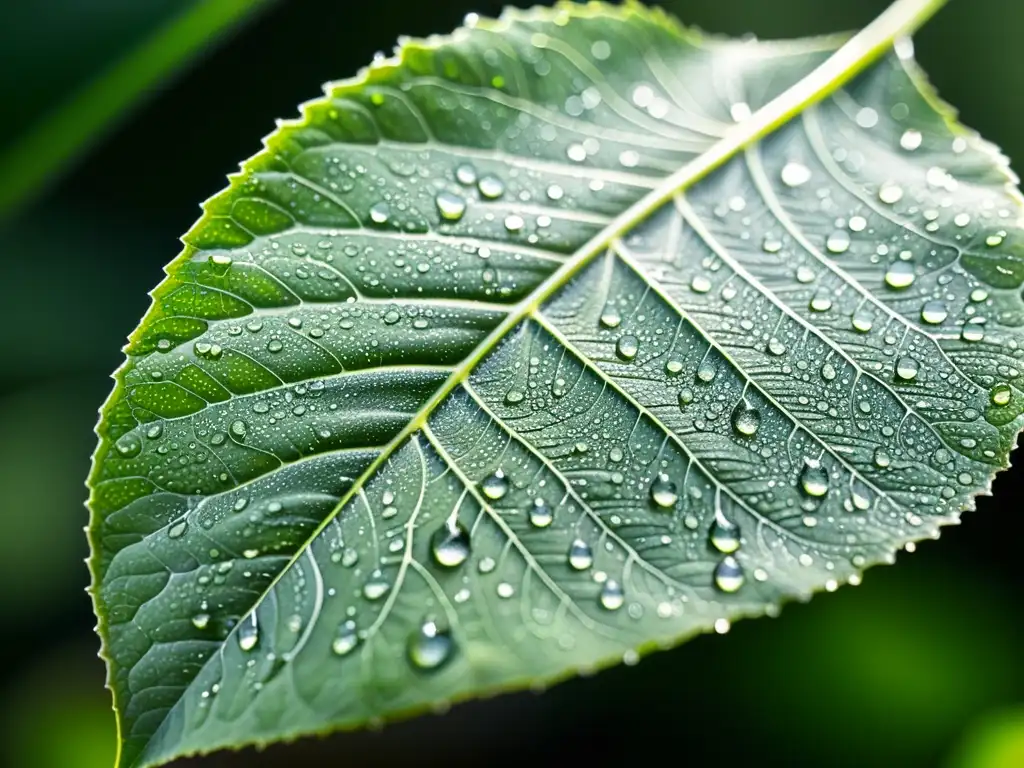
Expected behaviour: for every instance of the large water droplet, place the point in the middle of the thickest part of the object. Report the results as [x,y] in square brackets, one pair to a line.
[375,587]
[934,312]
[890,193]
[450,544]
[906,368]
[248,633]
[899,275]
[491,187]
[580,555]
[612,596]
[345,639]
[663,491]
[725,534]
[910,140]
[728,574]
[380,213]
[465,174]
[495,486]
[431,645]
[128,446]
[863,320]
[795,174]
[814,478]
[821,301]
[611,319]
[973,330]
[838,242]
[541,515]
[706,371]
[627,347]
[1001,394]
[450,206]
[745,419]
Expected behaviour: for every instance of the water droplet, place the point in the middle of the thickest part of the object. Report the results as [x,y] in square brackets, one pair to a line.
[627,347]
[580,555]
[345,639]
[962,219]
[771,244]
[541,515]
[775,347]
[491,187]
[745,419]
[430,646]
[177,530]
[611,319]
[814,478]
[663,491]
[375,587]
[450,544]
[248,633]
[700,284]
[685,397]
[465,174]
[706,371]
[379,213]
[725,534]
[838,242]
[821,301]
[673,367]
[201,620]
[1001,394]
[555,192]
[857,223]
[934,312]
[900,275]
[612,596]
[728,574]
[450,206]
[863,320]
[994,241]
[973,330]
[882,459]
[576,152]
[867,117]
[495,486]
[795,174]
[630,158]
[238,429]
[514,222]
[890,193]
[129,446]
[910,140]
[828,372]
[906,368]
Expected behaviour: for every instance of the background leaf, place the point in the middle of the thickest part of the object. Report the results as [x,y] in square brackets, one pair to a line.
[272,217]
[65,95]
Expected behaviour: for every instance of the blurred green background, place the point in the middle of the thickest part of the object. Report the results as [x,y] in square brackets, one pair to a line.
[919,666]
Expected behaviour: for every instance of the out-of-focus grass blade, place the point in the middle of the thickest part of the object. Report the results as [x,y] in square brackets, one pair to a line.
[34,158]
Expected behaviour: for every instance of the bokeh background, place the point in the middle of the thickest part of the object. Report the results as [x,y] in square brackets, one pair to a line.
[919,666]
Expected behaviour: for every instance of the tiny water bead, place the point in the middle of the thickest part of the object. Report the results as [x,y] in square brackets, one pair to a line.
[746,420]
[450,206]
[906,368]
[450,544]
[248,633]
[814,478]
[345,639]
[663,491]
[580,555]
[431,645]
[627,347]
[729,574]
[541,515]
[612,596]
[495,486]
[934,312]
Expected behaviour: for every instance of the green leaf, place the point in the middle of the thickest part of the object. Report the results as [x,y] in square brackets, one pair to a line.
[541,346]
[41,151]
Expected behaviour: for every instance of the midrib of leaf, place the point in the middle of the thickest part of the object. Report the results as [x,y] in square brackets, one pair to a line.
[900,20]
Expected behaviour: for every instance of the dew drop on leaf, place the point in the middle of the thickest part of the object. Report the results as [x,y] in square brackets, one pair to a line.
[663,491]
[934,312]
[495,486]
[450,544]
[248,633]
[580,555]
[900,275]
[345,638]
[1000,394]
[728,574]
[906,368]
[450,206]
[795,174]
[627,346]
[612,596]
[814,478]
[491,187]
[745,419]
[430,646]
[541,515]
